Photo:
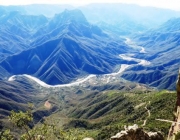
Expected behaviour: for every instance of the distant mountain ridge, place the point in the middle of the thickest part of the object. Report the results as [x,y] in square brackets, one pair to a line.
[81,70]
[65,48]
[162,45]
[17,30]
[121,15]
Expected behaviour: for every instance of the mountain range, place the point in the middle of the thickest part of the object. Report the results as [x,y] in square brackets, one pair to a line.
[162,46]
[60,49]
[89,64]
[65,47]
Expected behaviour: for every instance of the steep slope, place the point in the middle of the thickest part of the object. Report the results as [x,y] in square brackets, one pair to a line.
[73,48]
[162,46]
[91,107]
[67,22]
[15,96]
[16,30]
[67,47]
[109,111]
[22,25]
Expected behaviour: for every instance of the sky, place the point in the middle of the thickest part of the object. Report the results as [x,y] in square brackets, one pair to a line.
[170,4]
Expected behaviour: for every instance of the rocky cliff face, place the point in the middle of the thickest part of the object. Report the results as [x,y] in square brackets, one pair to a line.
[178,90]
[136,133]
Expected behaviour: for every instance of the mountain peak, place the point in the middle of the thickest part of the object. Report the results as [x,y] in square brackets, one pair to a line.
[75,14]
[71,16]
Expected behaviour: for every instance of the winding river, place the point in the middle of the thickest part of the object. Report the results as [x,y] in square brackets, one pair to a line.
[128,57]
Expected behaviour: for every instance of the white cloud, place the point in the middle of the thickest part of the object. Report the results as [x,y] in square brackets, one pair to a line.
[171,4]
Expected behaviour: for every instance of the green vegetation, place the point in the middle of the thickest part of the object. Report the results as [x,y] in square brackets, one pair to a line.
[43,131]
[177,136]
[108,131]
[98,115]
[121,108]
[6,135]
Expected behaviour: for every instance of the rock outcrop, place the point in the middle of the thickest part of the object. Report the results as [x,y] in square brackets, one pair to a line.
[88,139]
[136,133]
[178,90]
[155,136]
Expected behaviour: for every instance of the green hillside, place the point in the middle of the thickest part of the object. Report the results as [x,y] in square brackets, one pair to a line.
[98,111]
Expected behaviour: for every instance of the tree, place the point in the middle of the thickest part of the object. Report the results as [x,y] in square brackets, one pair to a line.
[44,131]
[22,120]
[6,135]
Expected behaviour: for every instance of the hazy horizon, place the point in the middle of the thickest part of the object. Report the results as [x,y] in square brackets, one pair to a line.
[168,4]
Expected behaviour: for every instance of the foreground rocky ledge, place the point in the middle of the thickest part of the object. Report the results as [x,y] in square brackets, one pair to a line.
[136,133]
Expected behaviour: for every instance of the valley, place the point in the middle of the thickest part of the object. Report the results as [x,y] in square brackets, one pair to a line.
[85,74]
[93,79]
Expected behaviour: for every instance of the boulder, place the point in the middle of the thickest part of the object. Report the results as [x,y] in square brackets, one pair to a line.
[136,133]
[155,136]
[88,139]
